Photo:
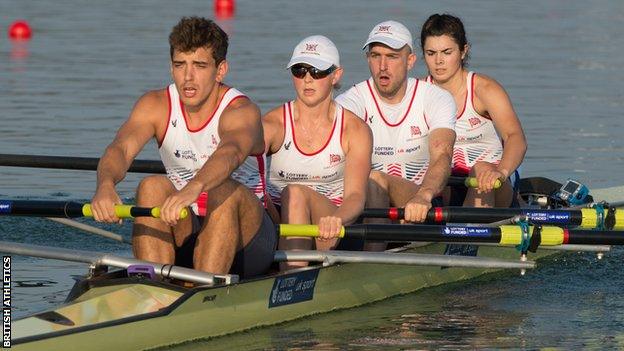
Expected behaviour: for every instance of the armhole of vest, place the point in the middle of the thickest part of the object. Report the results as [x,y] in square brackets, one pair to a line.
[342,122]
[160,142]
[260,159]
[472,95]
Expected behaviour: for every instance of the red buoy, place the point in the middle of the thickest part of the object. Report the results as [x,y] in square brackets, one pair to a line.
[20,30]
[224,9]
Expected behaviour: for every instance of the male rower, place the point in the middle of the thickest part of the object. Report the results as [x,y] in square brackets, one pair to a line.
[211,142]
[412,122]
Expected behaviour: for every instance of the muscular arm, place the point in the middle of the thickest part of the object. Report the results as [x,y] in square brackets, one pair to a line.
[491,98]
[359,140]
[140,127]
[441,143]
[240,130]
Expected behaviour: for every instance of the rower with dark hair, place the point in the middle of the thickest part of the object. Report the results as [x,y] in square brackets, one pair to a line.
[486,120]
[211,143]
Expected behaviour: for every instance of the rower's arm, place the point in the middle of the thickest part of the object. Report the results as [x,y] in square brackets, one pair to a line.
[240,130]
[359,143]
[130,139]
[441,143]
[491,99]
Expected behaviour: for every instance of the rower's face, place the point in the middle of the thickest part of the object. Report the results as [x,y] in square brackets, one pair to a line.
[443,57]
[313,91]
[389,68]
[196,75]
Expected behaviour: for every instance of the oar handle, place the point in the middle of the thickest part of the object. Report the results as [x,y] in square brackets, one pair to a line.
[130,211]
[305,230]
[469,182]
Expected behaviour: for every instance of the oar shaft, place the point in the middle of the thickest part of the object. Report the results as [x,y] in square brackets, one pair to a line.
[587,218]
[70,209]
[75,163]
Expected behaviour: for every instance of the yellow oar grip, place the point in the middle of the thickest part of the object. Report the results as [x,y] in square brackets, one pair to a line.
[121,211]
[471,182]
[306,230]
[512,235]
[590,218]
[156,212]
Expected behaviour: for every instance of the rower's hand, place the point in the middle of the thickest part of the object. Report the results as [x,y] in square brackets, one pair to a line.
[487,174]
[175,203]
[416,208]
[103,204]
[329,228]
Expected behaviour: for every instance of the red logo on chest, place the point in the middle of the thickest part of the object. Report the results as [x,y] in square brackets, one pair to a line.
[333,159]
[415,131]
[474,121]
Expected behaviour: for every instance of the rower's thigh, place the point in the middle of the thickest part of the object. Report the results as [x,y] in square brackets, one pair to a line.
[400,190]
[306,198]
[153,190]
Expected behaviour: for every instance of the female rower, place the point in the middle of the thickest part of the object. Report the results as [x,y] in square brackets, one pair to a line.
[486,120]
[320,152]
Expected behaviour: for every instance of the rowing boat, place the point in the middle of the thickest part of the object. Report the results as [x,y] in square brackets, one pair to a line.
[118,310]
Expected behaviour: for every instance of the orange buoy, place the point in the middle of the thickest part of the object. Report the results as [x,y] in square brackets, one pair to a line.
[224,9]
[20,30]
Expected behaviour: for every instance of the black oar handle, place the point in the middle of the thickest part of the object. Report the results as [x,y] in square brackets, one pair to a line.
[75,163]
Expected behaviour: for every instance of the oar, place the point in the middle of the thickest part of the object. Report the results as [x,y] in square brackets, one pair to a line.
[100,259]
[506,235]
[587,218]
[70,209]
[77,163]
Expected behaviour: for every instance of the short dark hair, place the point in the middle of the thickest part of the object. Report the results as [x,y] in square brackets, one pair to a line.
[444,24]
[192,33]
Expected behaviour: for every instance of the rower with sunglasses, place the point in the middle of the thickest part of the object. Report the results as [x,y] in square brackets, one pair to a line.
[412,123]
[320,152]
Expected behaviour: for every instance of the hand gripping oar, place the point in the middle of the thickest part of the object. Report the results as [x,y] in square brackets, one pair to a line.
[506,235]
[70,209]
[469,182]
[587,218]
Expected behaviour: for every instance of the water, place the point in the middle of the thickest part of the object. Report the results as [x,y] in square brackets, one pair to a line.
[67,91]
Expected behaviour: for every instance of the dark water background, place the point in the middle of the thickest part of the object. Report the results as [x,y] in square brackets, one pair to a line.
[67,91]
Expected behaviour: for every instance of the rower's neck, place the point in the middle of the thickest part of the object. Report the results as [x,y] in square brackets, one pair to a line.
[395,97]
[314,112]
[456,84]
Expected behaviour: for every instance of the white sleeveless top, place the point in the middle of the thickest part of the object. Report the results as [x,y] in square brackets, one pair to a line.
[477,139]
[323,170]
[184,151]
[400,131]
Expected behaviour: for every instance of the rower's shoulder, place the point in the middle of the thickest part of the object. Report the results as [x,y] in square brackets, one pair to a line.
[242,104]
[355,123]
[152,103]
[484,84]
[274,116]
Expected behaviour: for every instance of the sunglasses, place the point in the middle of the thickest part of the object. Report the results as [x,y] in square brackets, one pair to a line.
[299,71]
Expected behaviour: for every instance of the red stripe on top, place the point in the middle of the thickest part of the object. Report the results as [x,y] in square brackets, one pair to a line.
[170,103]
[209,118]
[202,204]
[260,161]
[566,236]
[438,216]
[459,115]
[292,123]
[370,88]
[472,92]
[342,127]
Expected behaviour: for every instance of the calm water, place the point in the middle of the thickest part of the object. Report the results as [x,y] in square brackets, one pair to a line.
[68,90]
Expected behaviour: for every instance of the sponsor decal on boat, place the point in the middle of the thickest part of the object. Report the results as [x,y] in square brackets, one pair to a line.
[466,231]
[6,301]
[461,250]
[293,288]
[548,217]
[5,206]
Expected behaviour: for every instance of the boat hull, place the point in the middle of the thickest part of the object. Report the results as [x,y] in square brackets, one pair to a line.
[130,314]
